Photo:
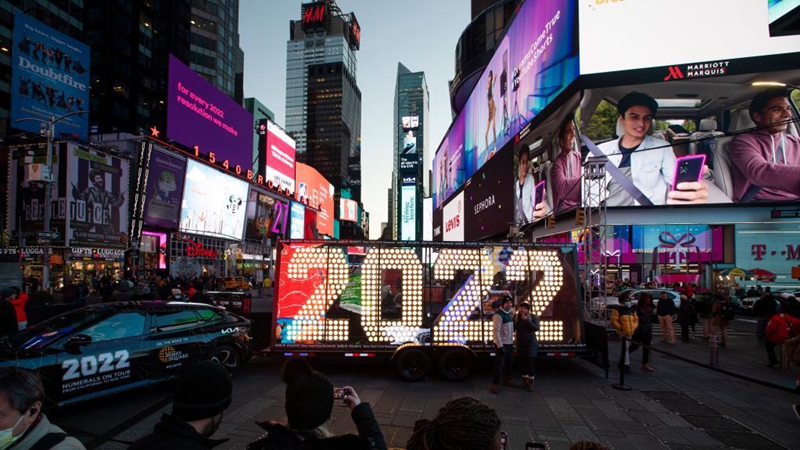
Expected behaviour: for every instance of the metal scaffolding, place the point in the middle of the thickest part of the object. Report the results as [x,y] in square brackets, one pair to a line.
[593,235]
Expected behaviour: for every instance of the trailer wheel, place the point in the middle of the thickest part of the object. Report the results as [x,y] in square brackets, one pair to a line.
[455,364]
[413,364]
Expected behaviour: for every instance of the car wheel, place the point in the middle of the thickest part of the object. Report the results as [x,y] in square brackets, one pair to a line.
[226,356]
[413,364]
[455,364]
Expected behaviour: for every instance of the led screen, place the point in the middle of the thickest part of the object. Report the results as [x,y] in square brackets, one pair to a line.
[297,221]
[162,207]
[408,213]
[199,114]
[318,191]
[280,157]
[50,78]
[380,296]
[535,61]
[605,25]
[348,210]
[213,203]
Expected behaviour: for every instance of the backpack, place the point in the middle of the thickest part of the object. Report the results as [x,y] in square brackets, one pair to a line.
[726,312]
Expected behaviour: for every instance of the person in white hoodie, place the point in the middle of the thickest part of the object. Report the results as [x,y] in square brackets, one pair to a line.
[503,339]
[647,161]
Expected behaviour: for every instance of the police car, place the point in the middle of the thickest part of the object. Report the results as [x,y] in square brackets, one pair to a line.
[108,348]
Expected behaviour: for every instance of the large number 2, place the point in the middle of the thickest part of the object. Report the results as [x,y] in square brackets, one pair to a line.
[523,263]
[383,330]
[452,325]
[310,324]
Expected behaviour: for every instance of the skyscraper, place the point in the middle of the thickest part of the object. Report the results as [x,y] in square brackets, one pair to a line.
[411,109]
[323,101]
[215,52]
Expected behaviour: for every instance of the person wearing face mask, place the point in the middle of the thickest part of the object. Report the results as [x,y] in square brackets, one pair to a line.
[23,426]
[202,395]
[765,163]
[625,321]
[503,339]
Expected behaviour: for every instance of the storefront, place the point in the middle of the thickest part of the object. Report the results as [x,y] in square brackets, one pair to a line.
[193,256]
[31,260]
[90,264]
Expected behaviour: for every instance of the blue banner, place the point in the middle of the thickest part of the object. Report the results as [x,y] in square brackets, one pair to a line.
[50,78]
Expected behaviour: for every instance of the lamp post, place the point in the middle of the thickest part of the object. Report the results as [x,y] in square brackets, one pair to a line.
[49,132]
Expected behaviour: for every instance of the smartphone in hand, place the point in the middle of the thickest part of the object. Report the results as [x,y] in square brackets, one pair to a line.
[539,194]
[688,169]
[340,393]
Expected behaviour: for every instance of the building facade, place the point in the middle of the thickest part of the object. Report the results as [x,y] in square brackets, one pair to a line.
[260,113]
[323,101]
[215,52]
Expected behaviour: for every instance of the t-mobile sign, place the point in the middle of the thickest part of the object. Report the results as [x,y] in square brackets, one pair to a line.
[280,157]
[199,114]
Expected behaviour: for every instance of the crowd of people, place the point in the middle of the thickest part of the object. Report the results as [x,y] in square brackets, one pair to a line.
[204,392]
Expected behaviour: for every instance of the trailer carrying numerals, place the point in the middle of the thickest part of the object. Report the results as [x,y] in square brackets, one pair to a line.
[419,303]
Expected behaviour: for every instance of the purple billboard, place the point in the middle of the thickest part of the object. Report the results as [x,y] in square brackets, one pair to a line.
[199,114]
[162,207]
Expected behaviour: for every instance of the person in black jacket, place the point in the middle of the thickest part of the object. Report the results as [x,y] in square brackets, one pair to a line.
[8,315]
[665,310]
[202,394]
[643,336]
[526,325]
[764,308]
[309,403]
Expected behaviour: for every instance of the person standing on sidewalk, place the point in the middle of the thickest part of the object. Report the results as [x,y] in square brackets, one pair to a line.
[721,315]
[665,310]
[686,316]
[781,327]
[764,309]
[703,308]
[527,325]
[503,326]
[643,336]
[625,321]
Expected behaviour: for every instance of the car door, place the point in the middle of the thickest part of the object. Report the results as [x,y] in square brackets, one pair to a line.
[110,360]
[175,341]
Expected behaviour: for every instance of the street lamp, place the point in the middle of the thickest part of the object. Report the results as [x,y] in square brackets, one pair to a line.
[50,131]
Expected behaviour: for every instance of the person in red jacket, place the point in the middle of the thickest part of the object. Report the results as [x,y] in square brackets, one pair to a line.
[19,306]
[781,327]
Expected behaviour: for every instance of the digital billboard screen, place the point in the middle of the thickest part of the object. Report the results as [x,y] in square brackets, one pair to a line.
[410,122]
[213,203]
[280,157]
[783,17]
[488,195]
[199,114]
[266,216]
[50,78]
[744,33]
[408,213]
[297,221]
[533,63]
[98,198]
[318,191]
[348,210]
[162,207]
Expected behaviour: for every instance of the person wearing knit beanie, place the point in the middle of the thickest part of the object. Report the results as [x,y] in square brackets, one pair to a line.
[202,394]
[309,405]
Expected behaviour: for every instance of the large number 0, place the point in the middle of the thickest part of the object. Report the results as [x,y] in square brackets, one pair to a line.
[525,262]
[383,330]
[452,325]
[310,324]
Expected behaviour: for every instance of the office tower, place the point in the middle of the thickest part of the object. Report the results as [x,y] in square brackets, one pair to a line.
[260,113]
[323,101]
[411,110]
[215,52]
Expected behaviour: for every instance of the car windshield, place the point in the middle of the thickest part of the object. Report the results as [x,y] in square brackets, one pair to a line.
[50,330]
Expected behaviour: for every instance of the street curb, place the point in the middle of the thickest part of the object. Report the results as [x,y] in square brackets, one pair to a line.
[726,372]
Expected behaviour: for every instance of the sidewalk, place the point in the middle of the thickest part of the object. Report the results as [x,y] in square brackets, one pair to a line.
[743,355]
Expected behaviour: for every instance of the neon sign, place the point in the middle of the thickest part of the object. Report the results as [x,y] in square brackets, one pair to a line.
[196,250]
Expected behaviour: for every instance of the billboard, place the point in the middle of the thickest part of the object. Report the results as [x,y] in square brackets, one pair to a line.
[162,205]
[377,294]
[50,78]
[408,213]
[427,219]
[199,114]
[280,157]
[348,210]
[98,198]
[489,207]
[783,17]
[26,201]
[318,191]
[453,218]
[213,202]
[533,63]
[410,122]
[297,221]
[744,33]
[774,247]
[266,216]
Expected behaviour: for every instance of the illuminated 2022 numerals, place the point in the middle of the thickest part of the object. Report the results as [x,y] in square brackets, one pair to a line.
[377,328]
[525,262]
[452,325]
[310,324]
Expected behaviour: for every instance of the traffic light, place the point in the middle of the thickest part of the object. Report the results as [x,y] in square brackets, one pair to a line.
[580,218]
[261,127]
